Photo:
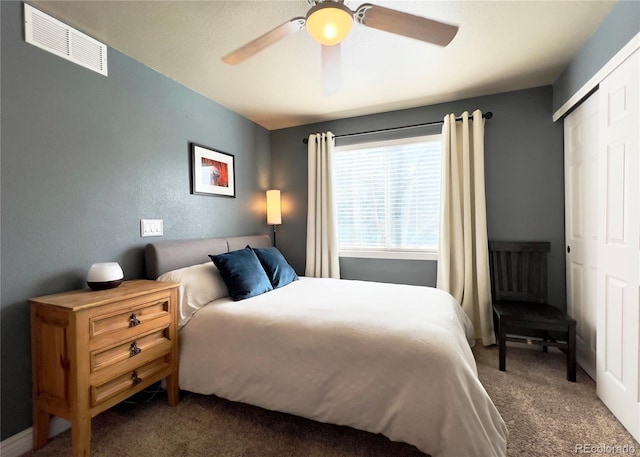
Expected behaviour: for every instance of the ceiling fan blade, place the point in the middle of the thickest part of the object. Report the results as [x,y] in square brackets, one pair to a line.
[331,69]
[405,24]
[264,41]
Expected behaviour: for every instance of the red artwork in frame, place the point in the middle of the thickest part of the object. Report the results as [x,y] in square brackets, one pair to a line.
[212,172]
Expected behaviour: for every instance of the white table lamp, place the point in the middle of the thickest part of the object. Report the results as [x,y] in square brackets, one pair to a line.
[274,212]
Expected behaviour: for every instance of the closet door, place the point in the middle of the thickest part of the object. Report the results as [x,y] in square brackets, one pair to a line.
[581,229]
[619,245]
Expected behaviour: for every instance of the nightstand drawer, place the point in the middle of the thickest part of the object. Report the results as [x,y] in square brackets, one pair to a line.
[156,342]
[132,314]
[129,381]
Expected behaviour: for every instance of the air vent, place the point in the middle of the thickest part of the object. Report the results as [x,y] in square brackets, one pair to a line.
[50,34]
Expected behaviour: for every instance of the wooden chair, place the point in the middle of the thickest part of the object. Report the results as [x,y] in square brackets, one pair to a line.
[520,303]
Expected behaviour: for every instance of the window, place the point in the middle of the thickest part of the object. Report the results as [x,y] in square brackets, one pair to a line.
[388,198]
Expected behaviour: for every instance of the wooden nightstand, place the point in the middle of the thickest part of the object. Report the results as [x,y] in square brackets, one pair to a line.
[93,349]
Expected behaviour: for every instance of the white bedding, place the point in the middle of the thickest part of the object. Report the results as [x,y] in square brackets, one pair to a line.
[384,358]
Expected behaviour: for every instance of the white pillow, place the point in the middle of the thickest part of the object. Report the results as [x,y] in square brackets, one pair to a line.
[199,285]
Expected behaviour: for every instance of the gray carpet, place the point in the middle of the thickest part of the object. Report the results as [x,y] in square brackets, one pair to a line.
[546,416]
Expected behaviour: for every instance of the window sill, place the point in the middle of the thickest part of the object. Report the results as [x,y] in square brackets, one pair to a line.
[388,254]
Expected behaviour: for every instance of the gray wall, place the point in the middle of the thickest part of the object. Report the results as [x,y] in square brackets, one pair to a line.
[84,157]
[524,181]
[622,24]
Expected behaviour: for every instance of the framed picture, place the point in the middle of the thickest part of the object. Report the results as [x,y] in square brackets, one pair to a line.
[212,172]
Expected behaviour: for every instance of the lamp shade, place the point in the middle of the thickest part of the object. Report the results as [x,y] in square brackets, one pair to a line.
[105,275]
[329,22]
[274,213]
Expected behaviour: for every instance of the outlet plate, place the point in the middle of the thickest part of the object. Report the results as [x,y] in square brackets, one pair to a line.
[151,227]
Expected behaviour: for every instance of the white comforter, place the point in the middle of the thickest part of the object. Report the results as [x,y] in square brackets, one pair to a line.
[384,358]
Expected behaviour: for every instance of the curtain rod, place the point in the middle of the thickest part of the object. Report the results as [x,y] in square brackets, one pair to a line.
[487,115]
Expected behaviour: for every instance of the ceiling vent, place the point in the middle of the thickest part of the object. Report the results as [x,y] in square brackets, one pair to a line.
[50,34]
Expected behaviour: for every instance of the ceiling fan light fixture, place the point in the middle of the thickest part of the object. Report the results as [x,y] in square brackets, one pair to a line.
[329,22]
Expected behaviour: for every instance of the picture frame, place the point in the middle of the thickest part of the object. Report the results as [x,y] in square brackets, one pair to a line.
[212,172]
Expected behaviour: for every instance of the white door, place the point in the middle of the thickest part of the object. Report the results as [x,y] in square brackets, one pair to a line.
[581,228]
[619,245]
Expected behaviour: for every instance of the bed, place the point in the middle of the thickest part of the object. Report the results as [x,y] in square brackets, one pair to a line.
[384,358]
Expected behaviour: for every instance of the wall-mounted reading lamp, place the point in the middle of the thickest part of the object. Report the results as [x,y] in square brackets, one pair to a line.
[274,213]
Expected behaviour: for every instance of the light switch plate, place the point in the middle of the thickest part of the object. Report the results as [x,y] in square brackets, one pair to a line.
[151,227]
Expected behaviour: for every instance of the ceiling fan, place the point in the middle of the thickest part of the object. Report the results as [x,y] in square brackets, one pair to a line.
[330,21]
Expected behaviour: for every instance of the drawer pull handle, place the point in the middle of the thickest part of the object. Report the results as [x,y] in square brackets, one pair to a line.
[135,379]
[133,320]
[135,350]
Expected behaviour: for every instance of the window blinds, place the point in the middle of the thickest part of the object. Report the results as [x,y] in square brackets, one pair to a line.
[388,194]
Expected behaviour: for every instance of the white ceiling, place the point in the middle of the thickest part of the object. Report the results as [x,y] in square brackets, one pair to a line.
[500,46]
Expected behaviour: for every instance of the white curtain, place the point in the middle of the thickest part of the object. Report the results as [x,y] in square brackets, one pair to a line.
[322,238]
[463,258]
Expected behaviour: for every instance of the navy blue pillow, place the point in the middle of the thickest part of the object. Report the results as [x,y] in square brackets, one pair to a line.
[278,270]
[242,273]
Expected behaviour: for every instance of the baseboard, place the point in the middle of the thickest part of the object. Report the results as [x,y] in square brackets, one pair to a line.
[536,347]
[514,344]
[17,444]
[22,442]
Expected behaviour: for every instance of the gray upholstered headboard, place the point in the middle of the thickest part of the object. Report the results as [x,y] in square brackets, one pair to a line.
[165,256]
